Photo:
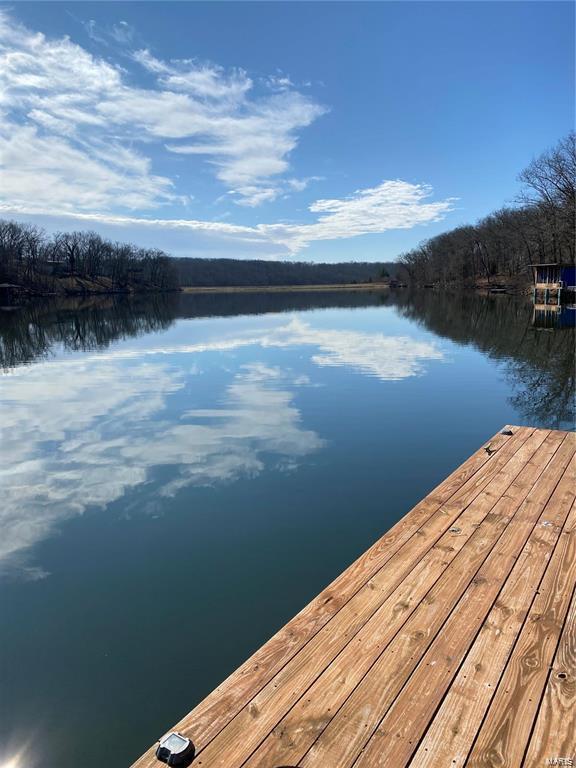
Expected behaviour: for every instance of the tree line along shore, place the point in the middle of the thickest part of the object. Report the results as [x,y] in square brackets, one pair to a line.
[539,227]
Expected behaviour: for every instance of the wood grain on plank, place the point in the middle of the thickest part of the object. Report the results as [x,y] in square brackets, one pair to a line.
[209,717]
[290,739]
[283,712]
[347,733]
[244,733]
[452,731]
[399,732]
[555,733]
[504,734]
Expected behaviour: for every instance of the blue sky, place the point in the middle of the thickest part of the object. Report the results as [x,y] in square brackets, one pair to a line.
[318,131]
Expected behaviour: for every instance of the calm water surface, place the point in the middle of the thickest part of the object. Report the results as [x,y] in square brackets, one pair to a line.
[181,474]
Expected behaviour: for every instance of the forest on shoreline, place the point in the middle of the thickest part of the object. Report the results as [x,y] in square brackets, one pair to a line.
[78,262]
[86,263]
[539,228]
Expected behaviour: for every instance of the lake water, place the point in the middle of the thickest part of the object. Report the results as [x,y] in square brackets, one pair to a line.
[180,474]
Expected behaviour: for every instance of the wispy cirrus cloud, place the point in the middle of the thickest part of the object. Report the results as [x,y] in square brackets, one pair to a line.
[390,205]
[80,142]
[42,170]
[54,90]
[121,33]
[202,80]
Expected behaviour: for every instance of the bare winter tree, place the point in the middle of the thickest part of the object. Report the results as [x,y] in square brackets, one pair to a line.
[540,229]
[551,178]
[29,257]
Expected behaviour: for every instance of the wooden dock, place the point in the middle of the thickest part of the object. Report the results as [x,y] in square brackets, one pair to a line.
[450,642]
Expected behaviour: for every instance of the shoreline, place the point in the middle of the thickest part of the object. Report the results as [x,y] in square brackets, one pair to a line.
[23,294]
[283,288]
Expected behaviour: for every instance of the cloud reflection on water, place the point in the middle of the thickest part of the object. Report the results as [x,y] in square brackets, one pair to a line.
[102,431]
[389,358]
[80,433]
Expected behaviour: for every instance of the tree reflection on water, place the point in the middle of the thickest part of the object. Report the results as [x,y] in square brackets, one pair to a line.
[538,362]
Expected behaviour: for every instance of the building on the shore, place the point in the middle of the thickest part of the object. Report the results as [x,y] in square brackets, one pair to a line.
[554,283]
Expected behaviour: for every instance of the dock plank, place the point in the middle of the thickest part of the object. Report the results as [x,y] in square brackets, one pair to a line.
[506,729]
[555,733]
[406,721]
[265,710]
[346,736]
[213,713]
[455,725]
[288,742]
[377,669]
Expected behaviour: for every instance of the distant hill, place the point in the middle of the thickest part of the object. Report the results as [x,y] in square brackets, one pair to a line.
[244,272]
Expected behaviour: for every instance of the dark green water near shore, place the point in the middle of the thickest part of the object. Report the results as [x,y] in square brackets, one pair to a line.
[180,474]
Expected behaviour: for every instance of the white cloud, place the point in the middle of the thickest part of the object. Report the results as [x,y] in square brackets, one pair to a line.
[58,97]
[279,82]
[55,173]
[250,151]
[300,184]
[390,205]
[77,136]
[121,33]
[205,81]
